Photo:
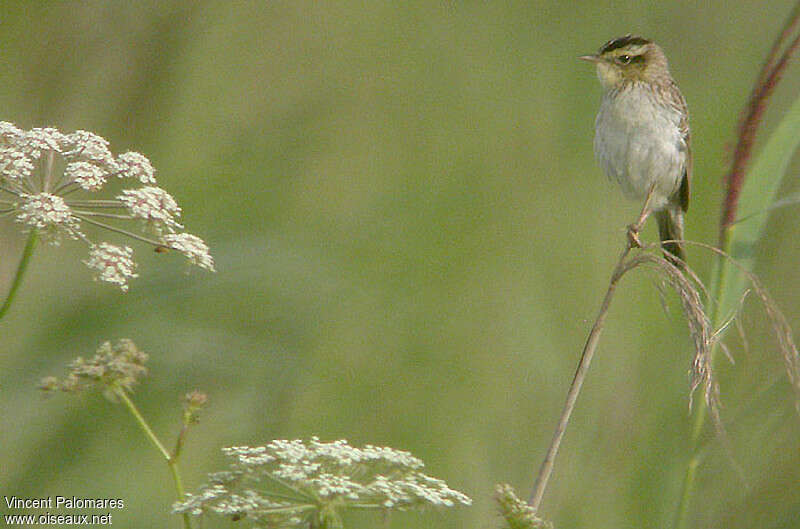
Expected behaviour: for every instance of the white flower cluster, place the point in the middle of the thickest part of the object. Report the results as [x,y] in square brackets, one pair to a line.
[113,264]
[135,165]
[294,483]
[48,213]
[192,247]
[153,205]
[44,172]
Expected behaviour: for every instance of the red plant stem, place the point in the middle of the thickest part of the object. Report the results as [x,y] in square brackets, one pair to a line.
[765,85]
[788,28]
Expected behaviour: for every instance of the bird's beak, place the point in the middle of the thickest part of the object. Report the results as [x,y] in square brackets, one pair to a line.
[589,58]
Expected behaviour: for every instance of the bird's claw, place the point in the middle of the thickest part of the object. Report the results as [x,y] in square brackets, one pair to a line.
[633,236]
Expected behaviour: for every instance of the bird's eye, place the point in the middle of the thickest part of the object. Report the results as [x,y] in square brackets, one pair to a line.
[624,59]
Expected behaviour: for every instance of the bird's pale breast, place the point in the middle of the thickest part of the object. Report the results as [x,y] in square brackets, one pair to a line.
[638,142]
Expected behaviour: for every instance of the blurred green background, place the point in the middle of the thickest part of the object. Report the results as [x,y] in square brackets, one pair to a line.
[412,240]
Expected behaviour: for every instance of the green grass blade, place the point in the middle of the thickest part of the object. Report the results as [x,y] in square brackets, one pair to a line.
[758,198]
[759,193]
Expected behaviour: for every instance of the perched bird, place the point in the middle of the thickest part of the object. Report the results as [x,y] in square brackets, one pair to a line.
[642,132]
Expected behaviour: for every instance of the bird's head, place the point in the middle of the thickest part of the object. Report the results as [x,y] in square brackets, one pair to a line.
[629,59]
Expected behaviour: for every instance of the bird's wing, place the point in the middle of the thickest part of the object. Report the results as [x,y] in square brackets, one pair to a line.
[675,99]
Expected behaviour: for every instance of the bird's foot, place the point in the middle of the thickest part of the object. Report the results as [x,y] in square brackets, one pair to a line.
[633,235]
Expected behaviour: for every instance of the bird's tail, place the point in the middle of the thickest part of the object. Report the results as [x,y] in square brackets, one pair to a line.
[670,228]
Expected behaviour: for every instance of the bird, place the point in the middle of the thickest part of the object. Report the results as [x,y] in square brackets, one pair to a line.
[642,137]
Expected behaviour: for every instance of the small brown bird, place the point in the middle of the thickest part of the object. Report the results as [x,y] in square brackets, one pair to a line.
[642,132]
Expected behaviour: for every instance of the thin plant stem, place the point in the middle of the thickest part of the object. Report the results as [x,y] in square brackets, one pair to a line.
[577,382]
[27,252]
[84,213]
[689,481]
[15,192]
[691,473]
[115,204]
[171,460]
[622,266]
[117,230]
[140,420]
[682,514]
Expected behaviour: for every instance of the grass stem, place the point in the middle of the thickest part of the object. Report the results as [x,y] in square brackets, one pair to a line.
[622,266]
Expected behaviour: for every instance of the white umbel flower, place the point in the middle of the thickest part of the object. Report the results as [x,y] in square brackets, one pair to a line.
[316,479]
[50,182]
[9,131]
[113,264]
[14,165]
[193,247]
[136,165]
[153,205]
[88,146]
[49,214]
[89,176]
[37,141]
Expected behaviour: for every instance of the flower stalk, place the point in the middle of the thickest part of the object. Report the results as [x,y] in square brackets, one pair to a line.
[115,370]
[27,252]
[171,459]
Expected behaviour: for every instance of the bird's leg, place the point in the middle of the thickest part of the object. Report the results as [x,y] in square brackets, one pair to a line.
[636,227]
